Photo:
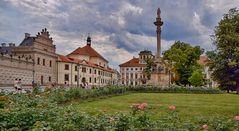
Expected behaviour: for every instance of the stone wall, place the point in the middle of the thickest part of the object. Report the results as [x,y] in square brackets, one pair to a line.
[15,67]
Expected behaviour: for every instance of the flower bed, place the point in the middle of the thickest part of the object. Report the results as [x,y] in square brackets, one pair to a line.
[44,112]
[60,118]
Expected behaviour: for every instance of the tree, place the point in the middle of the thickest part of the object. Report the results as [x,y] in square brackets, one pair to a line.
[184,57]
[148,68]
[197,78]
[224,60]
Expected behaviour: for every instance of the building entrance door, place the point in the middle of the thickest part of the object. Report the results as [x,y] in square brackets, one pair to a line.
[41,80]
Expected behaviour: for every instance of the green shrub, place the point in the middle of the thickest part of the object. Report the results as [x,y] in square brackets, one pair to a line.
[60,118]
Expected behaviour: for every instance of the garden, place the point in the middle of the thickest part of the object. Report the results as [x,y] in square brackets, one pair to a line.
[121,108]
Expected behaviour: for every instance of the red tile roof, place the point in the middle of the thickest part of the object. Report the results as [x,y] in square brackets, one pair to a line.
[87,50]
[132,63]
[202,60]
[66,59]
[63,58]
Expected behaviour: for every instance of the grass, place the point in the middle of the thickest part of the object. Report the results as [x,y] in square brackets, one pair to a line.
[187,105]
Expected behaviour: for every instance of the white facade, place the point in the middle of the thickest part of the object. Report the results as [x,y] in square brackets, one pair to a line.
[132,75]
[68,73]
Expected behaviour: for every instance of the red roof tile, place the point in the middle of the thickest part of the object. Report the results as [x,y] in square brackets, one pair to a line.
[87,50]
[132,63]
[64,59]
[74,60]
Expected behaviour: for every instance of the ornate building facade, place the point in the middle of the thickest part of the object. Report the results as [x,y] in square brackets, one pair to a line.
[85,66]
[35,61]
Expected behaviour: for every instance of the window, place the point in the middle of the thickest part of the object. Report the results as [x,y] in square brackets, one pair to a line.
[43,62]
[95,71]
[75,68]
[75,77]
[90,70]
[131,75]
[95,80]
[127,69]
[90,80]
[136,83]
[50,63]
[49,79]
[132,68]
[131,83]
[98,72]
[127,76]
[136,69]
[84,69]
[66,77]
[38,61]
[66,67]
[136,76]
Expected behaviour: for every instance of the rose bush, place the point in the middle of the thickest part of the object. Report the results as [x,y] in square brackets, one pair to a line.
[44,111]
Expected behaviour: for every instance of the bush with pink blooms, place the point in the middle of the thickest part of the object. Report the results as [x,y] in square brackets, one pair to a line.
[42,112]
[68,118]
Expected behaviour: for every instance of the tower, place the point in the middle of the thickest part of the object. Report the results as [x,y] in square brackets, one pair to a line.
[158,23]
[88,40]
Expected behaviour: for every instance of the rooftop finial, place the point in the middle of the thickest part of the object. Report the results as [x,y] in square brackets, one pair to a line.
[88,40]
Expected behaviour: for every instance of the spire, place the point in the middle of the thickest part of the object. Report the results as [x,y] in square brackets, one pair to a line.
[88,40]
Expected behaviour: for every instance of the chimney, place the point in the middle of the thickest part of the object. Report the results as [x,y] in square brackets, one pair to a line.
[10,44]
[27,35]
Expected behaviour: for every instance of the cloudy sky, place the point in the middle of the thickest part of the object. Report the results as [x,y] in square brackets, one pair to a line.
[119,28]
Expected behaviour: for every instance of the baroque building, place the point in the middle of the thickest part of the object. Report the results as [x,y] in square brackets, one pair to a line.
[35,61]
[85,66]
[132,71]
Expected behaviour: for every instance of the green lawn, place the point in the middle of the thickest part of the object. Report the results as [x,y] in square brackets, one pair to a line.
[187,105]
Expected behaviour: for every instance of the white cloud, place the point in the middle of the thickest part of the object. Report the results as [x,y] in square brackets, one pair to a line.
[119,29]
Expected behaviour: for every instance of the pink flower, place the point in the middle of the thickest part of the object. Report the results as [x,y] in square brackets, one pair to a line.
[139,106]
[236,118]
[205,126]
[172,108]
